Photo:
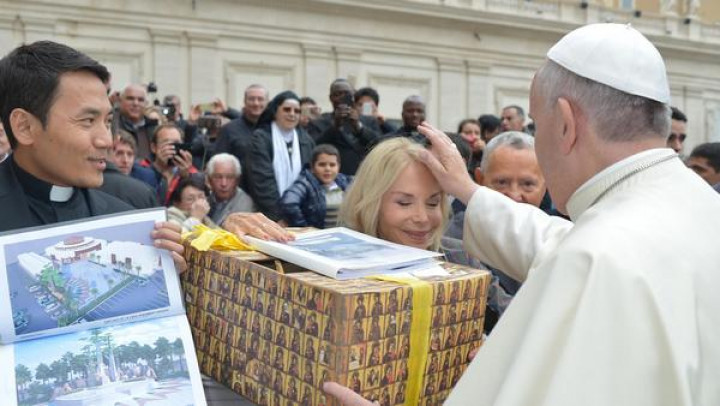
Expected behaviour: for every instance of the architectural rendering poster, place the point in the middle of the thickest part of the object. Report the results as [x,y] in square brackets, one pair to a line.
[149,363]
[84,275]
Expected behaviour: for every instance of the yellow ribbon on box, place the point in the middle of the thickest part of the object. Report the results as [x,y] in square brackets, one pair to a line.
[419,333]
[205,238]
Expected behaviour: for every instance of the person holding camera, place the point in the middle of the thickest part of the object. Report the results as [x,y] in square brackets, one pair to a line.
[171,160]
[367,100]
[344,128]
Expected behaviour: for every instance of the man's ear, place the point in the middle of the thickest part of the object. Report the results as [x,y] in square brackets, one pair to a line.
[25,126]
[478,176]
[569,121]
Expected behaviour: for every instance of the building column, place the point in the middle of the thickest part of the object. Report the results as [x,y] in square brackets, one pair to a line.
[319,73]
[205,73]
[169,70]
[452,103]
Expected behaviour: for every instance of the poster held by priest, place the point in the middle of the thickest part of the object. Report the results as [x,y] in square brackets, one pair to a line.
[91,313]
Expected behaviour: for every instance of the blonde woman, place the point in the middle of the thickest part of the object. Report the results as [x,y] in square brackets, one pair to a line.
[396,198]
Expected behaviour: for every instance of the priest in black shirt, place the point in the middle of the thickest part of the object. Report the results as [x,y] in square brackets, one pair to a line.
[56,113]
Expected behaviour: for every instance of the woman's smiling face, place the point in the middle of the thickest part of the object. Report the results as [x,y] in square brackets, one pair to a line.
[410,210]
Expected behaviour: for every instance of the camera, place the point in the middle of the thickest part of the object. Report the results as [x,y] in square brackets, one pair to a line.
[182,146]
[347,99]
[179,146]
[152,87]
[168,110]
[209,123]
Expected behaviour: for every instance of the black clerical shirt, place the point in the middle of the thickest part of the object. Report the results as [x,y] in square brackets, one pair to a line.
[25,201]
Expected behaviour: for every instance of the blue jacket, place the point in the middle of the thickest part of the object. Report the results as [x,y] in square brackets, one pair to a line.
[303,203]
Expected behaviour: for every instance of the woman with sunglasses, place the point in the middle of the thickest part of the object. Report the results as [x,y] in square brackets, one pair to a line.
[279,149]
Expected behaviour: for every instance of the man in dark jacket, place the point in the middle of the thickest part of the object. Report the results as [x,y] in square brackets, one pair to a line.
[234,137]
[344,128]
[134,192]
[56,114]
[132,118]
[413,113]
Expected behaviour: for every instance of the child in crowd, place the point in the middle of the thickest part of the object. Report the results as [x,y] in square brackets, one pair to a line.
[315,197]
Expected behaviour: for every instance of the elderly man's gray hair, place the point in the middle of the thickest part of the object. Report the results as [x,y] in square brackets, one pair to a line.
[223,158]
[613,114]
[514,139]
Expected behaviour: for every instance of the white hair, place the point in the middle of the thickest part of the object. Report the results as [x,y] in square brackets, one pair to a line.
[223,158]
[613,114]
[514,139]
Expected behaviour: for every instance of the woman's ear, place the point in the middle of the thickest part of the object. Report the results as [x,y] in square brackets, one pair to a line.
[24,126]
[569,122]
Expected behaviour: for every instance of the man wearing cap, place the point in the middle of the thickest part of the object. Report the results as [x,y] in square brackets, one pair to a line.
[615,308]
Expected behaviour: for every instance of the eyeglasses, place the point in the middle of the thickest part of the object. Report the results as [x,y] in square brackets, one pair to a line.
[289,109]
[675,137]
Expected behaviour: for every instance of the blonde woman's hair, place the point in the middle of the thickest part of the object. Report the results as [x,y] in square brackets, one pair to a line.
[360,209]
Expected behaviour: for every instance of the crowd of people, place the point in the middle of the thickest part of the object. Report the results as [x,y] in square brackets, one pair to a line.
[573,222]
[273,147]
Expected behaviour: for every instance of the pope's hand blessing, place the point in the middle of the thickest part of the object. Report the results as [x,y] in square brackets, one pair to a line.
[444,161]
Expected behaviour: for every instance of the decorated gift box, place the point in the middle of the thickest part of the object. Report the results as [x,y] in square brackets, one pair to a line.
[274,333]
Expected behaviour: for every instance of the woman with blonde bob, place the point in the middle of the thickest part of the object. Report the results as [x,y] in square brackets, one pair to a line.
[395,197]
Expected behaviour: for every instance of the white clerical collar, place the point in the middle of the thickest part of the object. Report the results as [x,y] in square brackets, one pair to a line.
[61,194]
[590,191]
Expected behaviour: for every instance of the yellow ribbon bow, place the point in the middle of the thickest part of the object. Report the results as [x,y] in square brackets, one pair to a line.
[205,238]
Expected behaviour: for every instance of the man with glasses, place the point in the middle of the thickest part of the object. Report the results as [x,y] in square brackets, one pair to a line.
[223,176]
[677,130]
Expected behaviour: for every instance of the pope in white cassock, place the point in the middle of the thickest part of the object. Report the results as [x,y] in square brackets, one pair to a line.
[619,306]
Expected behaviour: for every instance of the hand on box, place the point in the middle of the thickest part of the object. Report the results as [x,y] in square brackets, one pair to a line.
[345,395]
[256,225]
[166,235]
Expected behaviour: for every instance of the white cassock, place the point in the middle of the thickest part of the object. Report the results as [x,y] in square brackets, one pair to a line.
[620,308]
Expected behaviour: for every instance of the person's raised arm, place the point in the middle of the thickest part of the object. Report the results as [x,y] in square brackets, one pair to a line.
[498,231]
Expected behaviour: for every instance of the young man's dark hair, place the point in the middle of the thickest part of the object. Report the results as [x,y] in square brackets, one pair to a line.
[194,180]
[678,115]
[29,78]
[306,100]
[519,110]
[462,146]
[163,127]
[488,124]
[709,151]
[326,149]
[367,91]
